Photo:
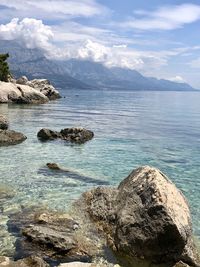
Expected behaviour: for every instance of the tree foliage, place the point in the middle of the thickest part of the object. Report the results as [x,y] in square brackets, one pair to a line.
[4,68]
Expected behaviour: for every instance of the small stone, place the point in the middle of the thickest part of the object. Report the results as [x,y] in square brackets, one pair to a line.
[3,123]
[22,80]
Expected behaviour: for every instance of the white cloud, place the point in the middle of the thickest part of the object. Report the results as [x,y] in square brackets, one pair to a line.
[164,18]
[121,56]
[177,79]
[93,51]
[52,9]
[34,34]
[31,32]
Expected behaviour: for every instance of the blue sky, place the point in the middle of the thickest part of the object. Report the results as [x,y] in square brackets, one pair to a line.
[159,38]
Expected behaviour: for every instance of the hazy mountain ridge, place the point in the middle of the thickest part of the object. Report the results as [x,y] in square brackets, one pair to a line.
[81,74]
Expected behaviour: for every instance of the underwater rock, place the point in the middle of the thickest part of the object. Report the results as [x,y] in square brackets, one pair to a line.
[75,175]
[9,137]
[49,235]
[73,135]
[145,217]
[26,262]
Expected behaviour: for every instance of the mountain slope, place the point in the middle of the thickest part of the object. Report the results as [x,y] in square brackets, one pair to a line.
[95,74]
[81,74]
[33,64]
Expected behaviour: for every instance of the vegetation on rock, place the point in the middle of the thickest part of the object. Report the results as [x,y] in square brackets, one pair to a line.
[4,68]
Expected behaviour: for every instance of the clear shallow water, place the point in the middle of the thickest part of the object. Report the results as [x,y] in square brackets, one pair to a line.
[131,129]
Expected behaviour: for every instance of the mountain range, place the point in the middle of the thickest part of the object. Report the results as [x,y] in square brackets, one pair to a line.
[81,74]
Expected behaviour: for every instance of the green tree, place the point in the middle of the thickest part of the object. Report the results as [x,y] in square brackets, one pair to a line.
[4,68]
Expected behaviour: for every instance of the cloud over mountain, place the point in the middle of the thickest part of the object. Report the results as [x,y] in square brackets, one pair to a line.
[156,40]
[31,32]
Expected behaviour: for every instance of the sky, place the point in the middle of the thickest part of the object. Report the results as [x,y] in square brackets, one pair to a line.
[159,38]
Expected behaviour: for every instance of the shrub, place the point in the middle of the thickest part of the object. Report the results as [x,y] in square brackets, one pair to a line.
[4,68]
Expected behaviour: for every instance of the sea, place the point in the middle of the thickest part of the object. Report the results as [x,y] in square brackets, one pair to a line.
[131,129]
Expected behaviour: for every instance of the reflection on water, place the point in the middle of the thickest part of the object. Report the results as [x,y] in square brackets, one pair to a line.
[131,129]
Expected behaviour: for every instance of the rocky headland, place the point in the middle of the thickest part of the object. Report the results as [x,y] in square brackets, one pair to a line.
[23,91]
[145,221]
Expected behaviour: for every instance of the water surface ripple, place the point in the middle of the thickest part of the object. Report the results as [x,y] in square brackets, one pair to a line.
[131,129]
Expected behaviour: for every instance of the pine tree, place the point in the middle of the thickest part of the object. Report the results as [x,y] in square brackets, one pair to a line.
[4,68]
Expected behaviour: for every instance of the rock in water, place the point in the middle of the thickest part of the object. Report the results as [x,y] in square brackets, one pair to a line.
[46,134]
[8,137]
[73,135]
[77,135]
[53,166]
[153,218]
[147,217]
[3,123]
[49,235]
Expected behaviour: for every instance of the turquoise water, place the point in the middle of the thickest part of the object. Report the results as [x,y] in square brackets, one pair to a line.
[131,129]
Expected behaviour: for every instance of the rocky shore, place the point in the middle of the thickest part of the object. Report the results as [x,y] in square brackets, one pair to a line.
[22,91]
[145,221]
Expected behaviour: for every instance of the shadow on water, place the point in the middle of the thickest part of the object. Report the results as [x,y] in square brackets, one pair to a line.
[62,173]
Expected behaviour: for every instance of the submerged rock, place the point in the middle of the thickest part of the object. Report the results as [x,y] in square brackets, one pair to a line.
[145,217]
[9,137]
[26,262]
[75,175]
[49,235]
[3,123]
[73,135]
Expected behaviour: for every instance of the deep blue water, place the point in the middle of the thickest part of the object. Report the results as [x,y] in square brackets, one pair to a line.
[161,129]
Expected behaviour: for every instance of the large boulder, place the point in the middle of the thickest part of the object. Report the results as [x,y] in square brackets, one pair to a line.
[73,135]
[20,94]
[9,137]
[3,123]
[45,87]
[146,217]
